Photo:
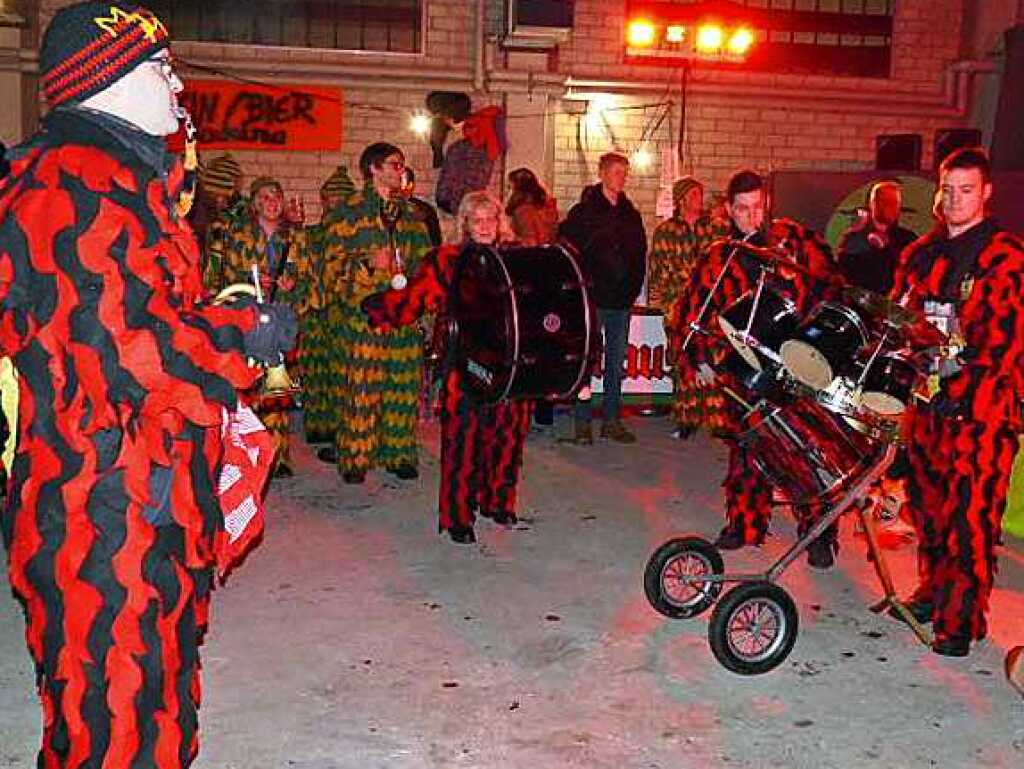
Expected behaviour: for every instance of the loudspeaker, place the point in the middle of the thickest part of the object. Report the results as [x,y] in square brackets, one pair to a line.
[1008,134]
[898,152]
[541,13]
[949,140]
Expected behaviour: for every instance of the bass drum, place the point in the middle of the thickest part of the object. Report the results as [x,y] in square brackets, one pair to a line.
[524,322]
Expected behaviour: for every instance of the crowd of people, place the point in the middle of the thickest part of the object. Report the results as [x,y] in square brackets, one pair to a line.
[128,372]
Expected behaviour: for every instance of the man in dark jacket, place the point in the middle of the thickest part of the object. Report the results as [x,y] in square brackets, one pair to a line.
[608,232]
[869,251]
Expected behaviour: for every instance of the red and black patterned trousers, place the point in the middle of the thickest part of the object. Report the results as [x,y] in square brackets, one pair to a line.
[960,473]
[748,501]
[114,625]
[481,454]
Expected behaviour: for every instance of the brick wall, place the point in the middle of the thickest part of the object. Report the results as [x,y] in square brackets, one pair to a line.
[766,121]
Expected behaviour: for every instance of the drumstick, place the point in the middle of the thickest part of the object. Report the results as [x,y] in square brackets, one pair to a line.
[256,283]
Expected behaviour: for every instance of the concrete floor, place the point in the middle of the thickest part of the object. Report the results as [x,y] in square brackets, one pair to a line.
[356,638]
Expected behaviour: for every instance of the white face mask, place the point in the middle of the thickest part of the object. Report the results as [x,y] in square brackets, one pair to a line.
[146,97]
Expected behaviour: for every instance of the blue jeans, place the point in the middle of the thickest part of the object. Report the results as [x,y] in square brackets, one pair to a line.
[615,324]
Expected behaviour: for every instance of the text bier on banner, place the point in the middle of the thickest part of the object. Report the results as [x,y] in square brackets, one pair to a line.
[250,116]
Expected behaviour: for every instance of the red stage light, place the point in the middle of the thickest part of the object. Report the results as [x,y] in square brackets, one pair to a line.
[709,38]
[640,34]
[740,41]
[675,34]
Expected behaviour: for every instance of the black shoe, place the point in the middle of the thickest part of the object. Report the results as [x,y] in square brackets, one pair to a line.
[283,471]
[919,610]
[502,519]
[327,454]
[952,646]
[729,540]
[353,476]
[821,553]
[684,432]
[404,472]
[462,535]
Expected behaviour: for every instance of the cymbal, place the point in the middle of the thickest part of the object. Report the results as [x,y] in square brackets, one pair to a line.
[879,306]
[770,256]
[913,325]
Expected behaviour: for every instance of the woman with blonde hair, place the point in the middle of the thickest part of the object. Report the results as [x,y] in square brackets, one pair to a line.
[481,443]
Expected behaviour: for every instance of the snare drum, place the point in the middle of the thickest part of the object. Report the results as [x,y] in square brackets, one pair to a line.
[775,321]
[825,345]
[805,450]
[888,384]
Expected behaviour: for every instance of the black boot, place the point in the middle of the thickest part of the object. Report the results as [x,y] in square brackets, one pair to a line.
[327,454]
[728,539]
[952,646]
[462,535]
[821,553]
[404,472]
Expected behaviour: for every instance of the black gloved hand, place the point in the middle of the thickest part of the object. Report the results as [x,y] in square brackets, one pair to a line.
[947,407]
[275,332]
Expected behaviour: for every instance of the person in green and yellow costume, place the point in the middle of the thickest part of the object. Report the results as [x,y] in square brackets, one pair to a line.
[317,343]
[677,244]
[372,241]
[271,235]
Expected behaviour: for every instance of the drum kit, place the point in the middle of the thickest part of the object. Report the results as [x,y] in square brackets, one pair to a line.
[820,399]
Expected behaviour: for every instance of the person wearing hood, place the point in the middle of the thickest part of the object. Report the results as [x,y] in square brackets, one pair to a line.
[607,232]
[965,278]
[117,515]
[676,246]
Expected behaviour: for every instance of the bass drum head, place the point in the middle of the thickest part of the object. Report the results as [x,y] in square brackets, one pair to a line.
[525,322]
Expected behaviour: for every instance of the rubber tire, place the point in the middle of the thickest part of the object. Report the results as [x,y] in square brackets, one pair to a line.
[666,554]
[722,618]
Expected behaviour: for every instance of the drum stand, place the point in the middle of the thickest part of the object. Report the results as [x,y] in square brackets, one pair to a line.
[854,494]
[890,600]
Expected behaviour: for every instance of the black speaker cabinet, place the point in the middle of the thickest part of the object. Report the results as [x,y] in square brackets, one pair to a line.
[898,152]
[949,140]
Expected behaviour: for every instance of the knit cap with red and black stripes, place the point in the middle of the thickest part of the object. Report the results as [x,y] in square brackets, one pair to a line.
[88,46]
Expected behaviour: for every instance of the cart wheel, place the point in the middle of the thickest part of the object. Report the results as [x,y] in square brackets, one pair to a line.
[753,628]
[678,558]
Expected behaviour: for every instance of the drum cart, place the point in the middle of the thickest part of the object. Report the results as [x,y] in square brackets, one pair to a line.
[754,625]
[813,439]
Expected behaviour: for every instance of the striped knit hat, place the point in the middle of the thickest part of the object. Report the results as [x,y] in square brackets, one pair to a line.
[338,184]
[89,46]
[220,176]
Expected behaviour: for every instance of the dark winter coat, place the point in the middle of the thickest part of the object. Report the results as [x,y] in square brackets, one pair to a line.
[612,245]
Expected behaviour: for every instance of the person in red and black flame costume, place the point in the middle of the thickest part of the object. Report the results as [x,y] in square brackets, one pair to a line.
[114,524]
[748,494]
[966,276]
[481,443]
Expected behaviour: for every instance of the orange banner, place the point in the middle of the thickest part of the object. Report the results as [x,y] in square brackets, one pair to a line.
[230,115]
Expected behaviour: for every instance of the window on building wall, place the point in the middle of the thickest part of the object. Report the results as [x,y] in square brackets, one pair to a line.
[836,37]
[392,26]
